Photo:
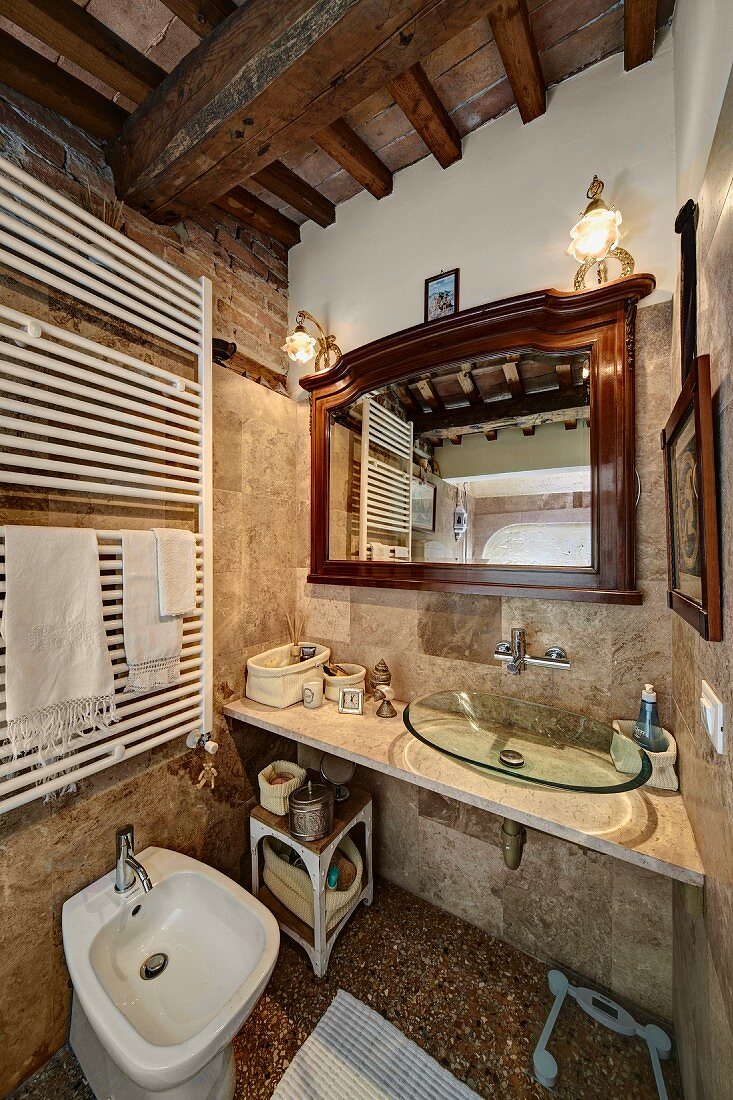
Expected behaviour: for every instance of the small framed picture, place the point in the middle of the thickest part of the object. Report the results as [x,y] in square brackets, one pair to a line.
[441,295]
[351,700]
[423,505]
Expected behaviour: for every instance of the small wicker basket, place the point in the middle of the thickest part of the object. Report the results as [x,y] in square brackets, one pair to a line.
[273,680]
[355,679]
[275,798]
[293,887]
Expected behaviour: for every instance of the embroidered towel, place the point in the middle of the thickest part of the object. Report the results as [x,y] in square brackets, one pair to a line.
[152,641]
[60,685]
[176,570]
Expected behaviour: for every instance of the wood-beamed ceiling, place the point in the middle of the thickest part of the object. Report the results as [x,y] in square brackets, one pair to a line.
[276,113]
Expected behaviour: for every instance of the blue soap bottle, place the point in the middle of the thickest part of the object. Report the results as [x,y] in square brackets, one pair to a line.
[648,732]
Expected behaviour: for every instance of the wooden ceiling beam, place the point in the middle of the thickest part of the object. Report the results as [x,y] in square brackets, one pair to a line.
[456,440]
[640,22]
[571,425]
[43,81]
[201,16]
[78,36]
[552,405]
[564,372]
[468,385]
[405,397]
[513,379]
[280,181]
[512,30]
[354,155]
[528,429]
[248,208]
[264,81]
[491,435]
[417,98]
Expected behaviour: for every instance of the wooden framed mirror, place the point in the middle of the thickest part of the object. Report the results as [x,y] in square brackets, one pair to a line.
[488,452]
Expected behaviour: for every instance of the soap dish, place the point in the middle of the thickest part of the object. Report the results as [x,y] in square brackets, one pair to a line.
[625,755]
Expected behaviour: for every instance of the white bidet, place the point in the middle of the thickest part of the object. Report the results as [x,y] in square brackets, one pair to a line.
[164,980]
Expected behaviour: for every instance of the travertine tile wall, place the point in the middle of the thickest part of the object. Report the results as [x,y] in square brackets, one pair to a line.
[50,851]
[609,921]
[703,954]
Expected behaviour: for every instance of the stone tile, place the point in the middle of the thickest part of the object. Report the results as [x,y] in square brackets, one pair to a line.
[396,828]
[461,875]
[641,938]
[459,627]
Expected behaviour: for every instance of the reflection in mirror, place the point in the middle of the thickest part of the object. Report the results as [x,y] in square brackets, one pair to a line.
[479,462]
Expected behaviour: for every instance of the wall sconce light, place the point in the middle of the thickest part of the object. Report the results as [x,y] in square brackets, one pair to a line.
[595,237]
[300,346]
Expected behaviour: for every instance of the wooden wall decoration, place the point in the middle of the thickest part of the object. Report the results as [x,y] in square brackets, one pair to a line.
[686,225]
[600,320]
[688,442]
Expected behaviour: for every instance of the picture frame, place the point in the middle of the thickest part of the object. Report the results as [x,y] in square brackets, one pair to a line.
[686,226]
[351,700]
[688,445]
[441,295]
[423,505]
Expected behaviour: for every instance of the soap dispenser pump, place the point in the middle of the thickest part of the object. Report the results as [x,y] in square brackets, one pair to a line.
[648,732]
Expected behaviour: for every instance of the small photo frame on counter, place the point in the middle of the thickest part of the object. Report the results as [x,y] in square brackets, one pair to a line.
[351,700]
[441,295]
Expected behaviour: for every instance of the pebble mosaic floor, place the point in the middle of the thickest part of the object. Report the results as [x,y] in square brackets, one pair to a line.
[475,1004]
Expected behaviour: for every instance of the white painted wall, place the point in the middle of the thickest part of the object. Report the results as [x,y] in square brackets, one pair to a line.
[503,213]
[703,56]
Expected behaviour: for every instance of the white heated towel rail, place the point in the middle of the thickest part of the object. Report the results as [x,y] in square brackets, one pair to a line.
[80,418]
[385,506]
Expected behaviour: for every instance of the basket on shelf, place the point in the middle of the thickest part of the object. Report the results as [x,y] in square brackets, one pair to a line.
[273,680]
[355,679]
[275,797]
[293,887]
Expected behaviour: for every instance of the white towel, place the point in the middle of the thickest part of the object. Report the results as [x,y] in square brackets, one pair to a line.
[176,570]
[60,684]
[152,641]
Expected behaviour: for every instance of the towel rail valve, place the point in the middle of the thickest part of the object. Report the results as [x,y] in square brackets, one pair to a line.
[196,740]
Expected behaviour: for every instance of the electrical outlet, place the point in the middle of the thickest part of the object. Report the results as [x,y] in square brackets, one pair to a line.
[712,713]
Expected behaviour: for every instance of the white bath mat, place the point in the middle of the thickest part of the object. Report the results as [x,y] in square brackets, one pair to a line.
[355,1054]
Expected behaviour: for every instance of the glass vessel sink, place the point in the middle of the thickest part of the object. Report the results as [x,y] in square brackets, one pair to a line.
[528,741]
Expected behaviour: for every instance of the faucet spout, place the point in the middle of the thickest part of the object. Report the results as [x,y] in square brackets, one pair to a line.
[519,651]
[126,866]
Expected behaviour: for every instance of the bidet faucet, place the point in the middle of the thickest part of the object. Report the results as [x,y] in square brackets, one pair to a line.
[126,866]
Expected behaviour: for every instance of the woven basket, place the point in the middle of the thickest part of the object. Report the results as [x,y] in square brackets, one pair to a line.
[355,679]
[293,887]
[275,799]
[275,682]
[625,755]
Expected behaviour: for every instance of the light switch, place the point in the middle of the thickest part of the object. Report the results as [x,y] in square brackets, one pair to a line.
[712,715]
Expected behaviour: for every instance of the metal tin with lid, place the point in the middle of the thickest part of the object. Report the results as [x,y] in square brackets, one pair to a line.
[311,811]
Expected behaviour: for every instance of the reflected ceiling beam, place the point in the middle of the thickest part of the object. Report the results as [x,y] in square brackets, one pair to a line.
[280,181]
[528,429]
[513,378]
[78,36]
[512,30]
[263,82]
[406,399]
[467,383]
[536,408]
[571,425]
[42,80]
[430,395]
[456,440]
[248,208]
[418,99]
[490,435]
[201,16]
[640,22]
[354,155]
[564,372]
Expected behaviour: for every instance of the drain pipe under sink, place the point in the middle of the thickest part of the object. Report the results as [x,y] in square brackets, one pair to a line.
[513,838]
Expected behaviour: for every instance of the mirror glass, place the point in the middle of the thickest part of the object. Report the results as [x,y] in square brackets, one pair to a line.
[484,462]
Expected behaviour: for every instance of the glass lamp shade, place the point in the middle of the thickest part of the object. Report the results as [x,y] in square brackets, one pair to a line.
[299,346]
[595,235]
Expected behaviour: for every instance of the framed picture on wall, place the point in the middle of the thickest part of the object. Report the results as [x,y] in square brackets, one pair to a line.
[441,295]
[688,443]
[423,505]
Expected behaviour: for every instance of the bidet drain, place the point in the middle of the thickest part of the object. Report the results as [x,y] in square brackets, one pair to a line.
[511,758]
[153,966]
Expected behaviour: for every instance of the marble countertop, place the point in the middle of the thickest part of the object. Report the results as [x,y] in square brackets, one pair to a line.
[647,827]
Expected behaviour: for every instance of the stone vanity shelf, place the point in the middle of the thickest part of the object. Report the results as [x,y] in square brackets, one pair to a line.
[645,827]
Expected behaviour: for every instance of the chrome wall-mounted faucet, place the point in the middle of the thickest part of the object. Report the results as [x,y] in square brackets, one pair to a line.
[126,866]
[515,654]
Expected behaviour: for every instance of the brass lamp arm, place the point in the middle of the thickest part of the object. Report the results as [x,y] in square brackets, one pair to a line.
[326,342]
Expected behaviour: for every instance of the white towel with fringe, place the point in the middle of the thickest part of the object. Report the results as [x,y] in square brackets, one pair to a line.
[176,570]
[355,1054]
[59,679]
[152,641]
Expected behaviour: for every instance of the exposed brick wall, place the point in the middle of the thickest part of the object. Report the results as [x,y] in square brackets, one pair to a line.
[248,270]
